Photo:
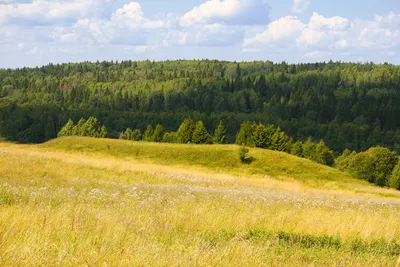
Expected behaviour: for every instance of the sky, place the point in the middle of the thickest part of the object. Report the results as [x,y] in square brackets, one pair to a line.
[38,32]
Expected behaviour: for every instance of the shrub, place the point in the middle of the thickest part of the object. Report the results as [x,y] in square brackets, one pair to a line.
[243,154]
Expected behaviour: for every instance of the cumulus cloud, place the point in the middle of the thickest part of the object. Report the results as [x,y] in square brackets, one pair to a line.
[42,12]
[243,12]
[323,36]
[300,6]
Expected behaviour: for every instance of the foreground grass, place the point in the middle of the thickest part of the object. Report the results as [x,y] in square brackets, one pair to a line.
[62,206]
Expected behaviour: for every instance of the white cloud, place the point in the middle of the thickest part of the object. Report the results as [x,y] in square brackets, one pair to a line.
[300,6]
[282,28]
[330,34]
[243,12]
[42,12]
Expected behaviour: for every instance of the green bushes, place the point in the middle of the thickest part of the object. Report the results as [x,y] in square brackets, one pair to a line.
[377,165]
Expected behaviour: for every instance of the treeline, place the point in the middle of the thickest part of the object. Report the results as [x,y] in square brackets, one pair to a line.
[189,132]
[347,105]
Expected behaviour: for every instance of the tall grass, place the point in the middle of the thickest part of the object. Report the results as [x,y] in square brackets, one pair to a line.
[72,203]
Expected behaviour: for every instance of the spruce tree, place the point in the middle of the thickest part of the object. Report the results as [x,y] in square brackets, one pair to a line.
[148,134]
[200,134]
[323,154]
[136,135]
[78,128]
[67,130]
[220,134]
[297,149]
[158,134]
[103,132]
[185,131]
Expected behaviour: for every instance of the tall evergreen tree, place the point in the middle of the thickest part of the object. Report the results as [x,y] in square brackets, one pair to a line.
[220,134]
[67,130]
[185,131]
[158,134]
[148,134]
[200,134]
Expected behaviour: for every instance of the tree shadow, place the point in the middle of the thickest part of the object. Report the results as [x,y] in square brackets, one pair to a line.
[248,160]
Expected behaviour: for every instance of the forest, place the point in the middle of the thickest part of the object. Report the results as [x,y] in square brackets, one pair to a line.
[346,105]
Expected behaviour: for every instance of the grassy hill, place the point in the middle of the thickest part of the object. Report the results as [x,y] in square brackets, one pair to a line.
[81,201]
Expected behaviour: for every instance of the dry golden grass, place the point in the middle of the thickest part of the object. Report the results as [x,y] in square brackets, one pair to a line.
[67,207]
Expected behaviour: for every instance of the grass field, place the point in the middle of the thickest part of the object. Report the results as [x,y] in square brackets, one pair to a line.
[97,202]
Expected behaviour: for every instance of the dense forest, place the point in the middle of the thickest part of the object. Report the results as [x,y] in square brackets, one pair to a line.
[347,105]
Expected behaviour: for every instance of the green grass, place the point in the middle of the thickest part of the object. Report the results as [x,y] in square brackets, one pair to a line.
[80,201]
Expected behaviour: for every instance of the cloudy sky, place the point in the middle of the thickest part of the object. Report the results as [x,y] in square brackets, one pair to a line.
[36,32]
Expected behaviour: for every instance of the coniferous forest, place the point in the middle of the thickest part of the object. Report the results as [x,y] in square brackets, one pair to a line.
[347,105]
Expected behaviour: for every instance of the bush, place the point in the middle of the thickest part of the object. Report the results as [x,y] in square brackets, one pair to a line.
[394,180]
[243,154]
[375,165]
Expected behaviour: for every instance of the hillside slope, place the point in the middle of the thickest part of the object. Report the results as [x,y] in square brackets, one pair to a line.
[222,159]
[98,202]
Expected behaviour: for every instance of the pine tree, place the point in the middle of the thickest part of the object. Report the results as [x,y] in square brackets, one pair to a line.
[103,132]
[148,134]
[170,137]
[78,128]
[185,131]
[91,128]
[158,134]
[220,134]
[323,154]
[136,135]
[67,130]
[200,134]
[297,149]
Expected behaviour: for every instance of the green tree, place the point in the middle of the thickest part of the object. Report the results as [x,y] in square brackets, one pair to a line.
[136,135]
[394,181]
[343,161]
[170,137]
[323,154]
[200,134]
[103,132]
[158,134]
[245,135]
[148,134]
[185,131]
[220,134]
[67,130]
[297,149]
[78,128]
[309,149]
[375,165]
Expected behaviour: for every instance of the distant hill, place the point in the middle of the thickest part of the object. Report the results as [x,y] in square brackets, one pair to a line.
[348,105]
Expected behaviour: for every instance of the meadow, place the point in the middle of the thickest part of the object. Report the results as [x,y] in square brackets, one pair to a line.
[96,202]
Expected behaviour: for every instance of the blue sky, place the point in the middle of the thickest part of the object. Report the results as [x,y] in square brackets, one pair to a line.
[36,32]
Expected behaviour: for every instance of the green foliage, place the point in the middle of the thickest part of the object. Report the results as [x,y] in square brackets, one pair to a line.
[170,137]
[394,181]
[297,149]
[374,165]
[185,131]
[323,154]
[148,134]
[243,154]
[343,161]
[245,135]
[67,130]
[200,134]
[90,128]
[158,134]
[309,149]
[220,134]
